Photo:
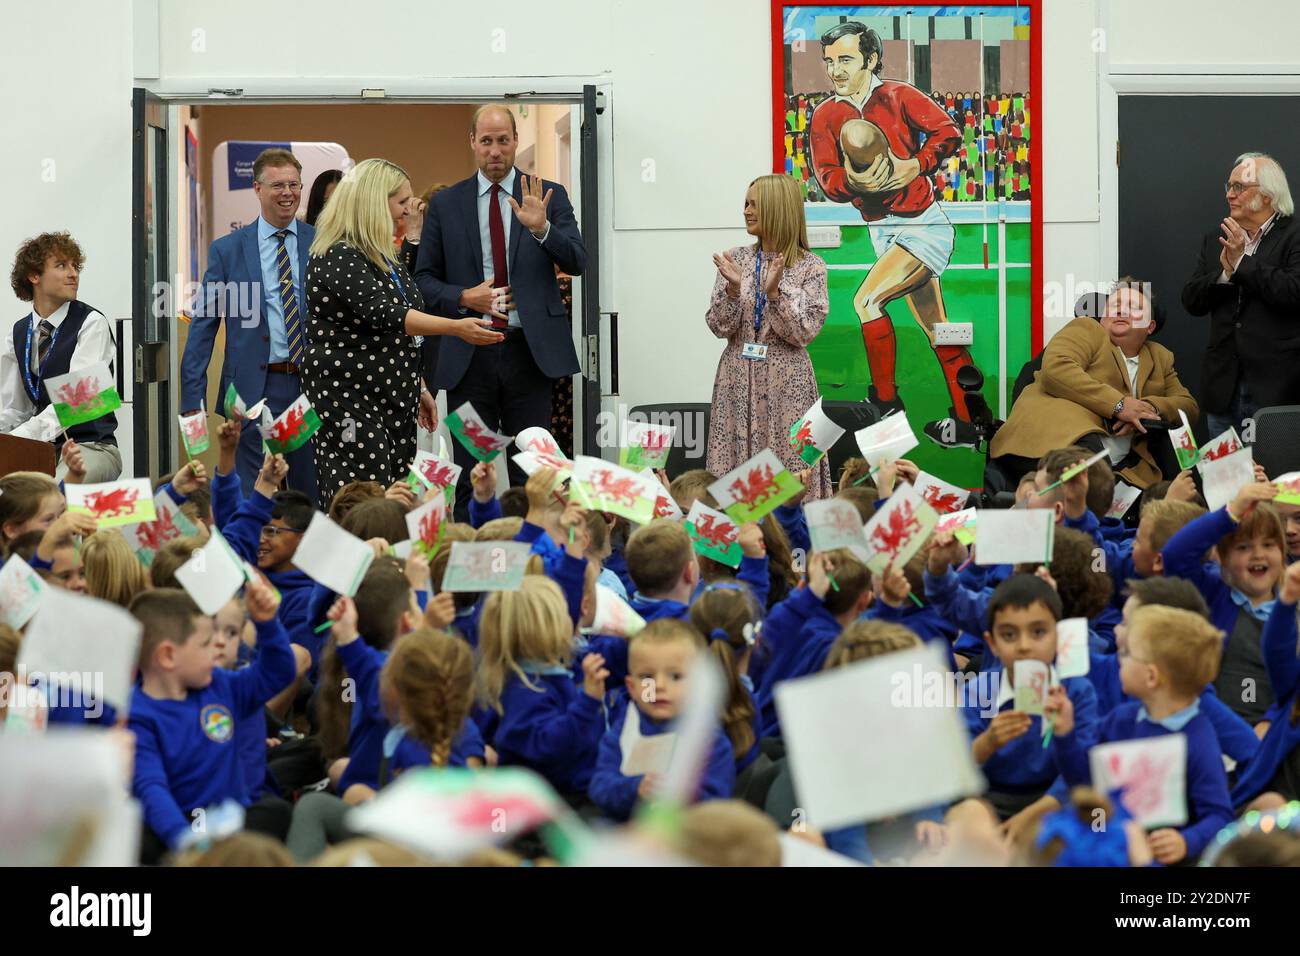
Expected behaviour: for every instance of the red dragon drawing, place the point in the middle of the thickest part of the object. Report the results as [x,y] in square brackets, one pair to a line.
[942,501]
[81,395]
[715,535]
[286,429]
[653,441]
[542,445]
[803,437]
[112,503]
[759,485]
[664,507]
[897,529]
[621,490]
[152,535]
[480,437]
[1186,442]
[482,811]
[438,474]
[1142,782]
[1220,450]
[1290,487]
[430,527]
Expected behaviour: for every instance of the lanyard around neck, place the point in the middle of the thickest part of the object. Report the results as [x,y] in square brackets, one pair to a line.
[33,384]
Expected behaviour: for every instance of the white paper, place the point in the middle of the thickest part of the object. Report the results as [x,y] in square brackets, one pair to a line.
[816,428]
[697,727]
[333,557]
[485,566]
[797,852]
[887,440]
[864,743]
[899,529]
[538,440]
[642,754]
[532,462]
[1014,536]
[1031,679]
[1151,772]
[614,615]
[943,497]
[212,575]
[835,523]
[1222,478]
[21,591]
[94,644]
[1125,495]
[1072,647]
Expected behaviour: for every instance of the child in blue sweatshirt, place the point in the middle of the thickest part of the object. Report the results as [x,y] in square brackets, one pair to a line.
[899,602]
[1248,537]
[1170,656]
[185,711]
[660,659]
[661,560]
[1007,743]
[547,721]
[799,631]
[730,617]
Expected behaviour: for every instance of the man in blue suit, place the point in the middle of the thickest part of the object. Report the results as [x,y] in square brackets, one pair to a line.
[476,259]
[254,281]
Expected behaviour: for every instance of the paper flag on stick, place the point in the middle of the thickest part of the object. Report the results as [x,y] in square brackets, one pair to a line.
[212,575]
[1151,773]
[1288,488]
[293,429]
[714,534]
[88,642]
[534,461]
[756,488]
[430,471]
[960,523]
[235,408]
[887,440]
[615,616]
[1222,478]
[899,529]
[1184,442]
[1220,447]
[697,728]
[114,502]
[1072,647]
[1125,495]
[194,432]
[83,395]
[485,566]
[148,537]
[1015,536]
[646,445]
[426,525]
[333,557]
[21,590]
[469,428]
[642,754]
[813,434]
[665,504]
[1076,469]
[1031,686]
[603,486]
[539,441]
[925,755]
[939,495]
[835,523]
[449,812]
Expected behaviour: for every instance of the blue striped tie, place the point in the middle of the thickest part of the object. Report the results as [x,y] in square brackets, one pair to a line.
[289,300]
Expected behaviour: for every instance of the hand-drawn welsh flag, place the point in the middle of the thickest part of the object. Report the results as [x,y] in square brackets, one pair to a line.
[430,471]
[426,525]
[194,432]
[835,523]
[83,395]
[614,615]
[1288,488]
[147,538]
[236,409]
[714,534]
[939,495]
[1221,447]
[534,461]
[960,523]
[293,429]
[665,504]
[756,488]
[114,502]
[602,486]
[899,529]
[539,441]
[1184,443]
[887,440]
[646,445]
[813,435]
[468,428]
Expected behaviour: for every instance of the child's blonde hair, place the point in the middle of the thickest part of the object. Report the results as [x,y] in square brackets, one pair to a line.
[244,848]
[113,572]
[162,571]
[499,529]
[693,485]
[728,615]
[429,675]
[862,640]
[21,495]
[530,624]
[368,851]
[1182,644]
[1165,518]
[728,833]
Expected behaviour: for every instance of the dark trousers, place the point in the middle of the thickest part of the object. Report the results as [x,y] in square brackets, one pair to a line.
[1005,471]
[270,816]
[510,393]
[282,390]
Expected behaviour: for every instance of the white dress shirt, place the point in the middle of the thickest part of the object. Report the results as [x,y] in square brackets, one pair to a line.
[17,412]
[1118,446]
[507,222]
[1252,244]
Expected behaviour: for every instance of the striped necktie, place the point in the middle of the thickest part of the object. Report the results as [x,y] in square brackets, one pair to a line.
[289,300]
[44,332]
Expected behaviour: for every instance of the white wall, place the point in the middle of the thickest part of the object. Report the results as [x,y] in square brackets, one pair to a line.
[690,112]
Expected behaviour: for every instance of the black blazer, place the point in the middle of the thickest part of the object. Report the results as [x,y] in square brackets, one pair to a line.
[1254,320]
[451,260]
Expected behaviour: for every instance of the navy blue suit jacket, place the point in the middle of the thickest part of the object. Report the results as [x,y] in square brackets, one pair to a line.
[451,260]
[234,259]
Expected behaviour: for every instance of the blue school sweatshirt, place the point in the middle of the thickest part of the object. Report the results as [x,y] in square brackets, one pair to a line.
[616,794]
[552,727]
[227,497]
[1279,646]
[466,622]
[481,513]
[618,564]
[404,751]
[186,754]
[243,531]
[560,566]
[651,609]
[753,572]
[798,632]
[795,524]
[1024,766]
[1208,806]
[612,581]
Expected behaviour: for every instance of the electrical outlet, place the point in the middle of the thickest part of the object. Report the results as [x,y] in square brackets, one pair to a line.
[954,333]
[824,237]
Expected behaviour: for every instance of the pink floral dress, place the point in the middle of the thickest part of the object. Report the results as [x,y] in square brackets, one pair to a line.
[756,401]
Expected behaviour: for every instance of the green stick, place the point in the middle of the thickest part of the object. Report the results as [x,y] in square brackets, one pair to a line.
[915,600]
[1047,737]
[830,577]
[322,628]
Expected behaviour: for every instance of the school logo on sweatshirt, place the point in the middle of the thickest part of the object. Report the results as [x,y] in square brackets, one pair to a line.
[217,723]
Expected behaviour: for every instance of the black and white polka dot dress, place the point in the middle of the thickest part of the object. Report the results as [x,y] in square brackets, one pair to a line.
[361,371]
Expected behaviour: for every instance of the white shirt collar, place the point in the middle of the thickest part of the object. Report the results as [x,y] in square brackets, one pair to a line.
[872,82]
[1253,244]
[507,182]
[55,318]
[1007,693]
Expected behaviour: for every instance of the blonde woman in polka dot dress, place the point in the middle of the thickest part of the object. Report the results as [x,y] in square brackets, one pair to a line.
[364,326]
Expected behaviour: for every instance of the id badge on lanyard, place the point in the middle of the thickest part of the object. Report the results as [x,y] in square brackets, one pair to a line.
[753,350]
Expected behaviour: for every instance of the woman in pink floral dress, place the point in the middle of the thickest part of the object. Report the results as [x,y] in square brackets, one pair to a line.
[769,302]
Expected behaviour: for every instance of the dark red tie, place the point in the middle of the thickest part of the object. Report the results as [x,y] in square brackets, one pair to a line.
[497,232]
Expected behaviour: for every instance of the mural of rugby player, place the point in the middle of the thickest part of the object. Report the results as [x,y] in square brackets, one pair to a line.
[876,144]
